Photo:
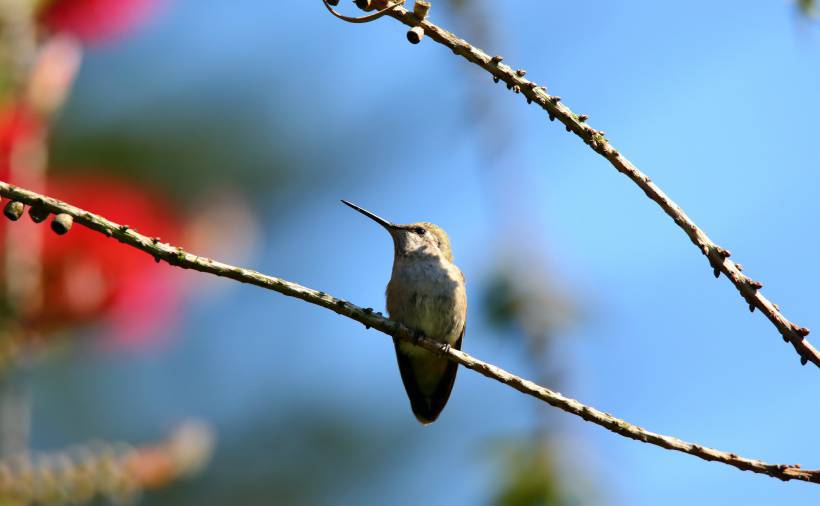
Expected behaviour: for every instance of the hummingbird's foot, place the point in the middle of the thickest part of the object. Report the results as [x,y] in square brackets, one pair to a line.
[444,350]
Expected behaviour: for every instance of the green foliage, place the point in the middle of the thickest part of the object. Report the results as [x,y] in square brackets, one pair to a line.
[807,7]
[527,475]
[531,306]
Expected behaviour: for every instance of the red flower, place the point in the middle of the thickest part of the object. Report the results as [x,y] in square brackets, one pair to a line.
[88,277]
[94,20]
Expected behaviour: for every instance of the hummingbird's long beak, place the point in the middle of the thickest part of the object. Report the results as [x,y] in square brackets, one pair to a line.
[378,219]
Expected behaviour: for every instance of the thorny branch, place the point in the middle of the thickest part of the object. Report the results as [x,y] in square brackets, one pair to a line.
[718,257]
[178,257]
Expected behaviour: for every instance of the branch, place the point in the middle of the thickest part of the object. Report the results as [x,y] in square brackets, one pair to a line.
[718,257]
[178,257]
[113,471]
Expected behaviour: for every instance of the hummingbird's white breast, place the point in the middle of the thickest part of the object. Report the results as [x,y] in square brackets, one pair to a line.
[427,294]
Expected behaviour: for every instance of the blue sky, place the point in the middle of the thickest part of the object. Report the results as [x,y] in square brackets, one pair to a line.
[717,102]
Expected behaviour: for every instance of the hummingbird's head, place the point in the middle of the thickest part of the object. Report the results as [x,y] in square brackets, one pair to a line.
[415,239]
[423,239]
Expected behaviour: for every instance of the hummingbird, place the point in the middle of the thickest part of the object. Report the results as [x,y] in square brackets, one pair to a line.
[426,293]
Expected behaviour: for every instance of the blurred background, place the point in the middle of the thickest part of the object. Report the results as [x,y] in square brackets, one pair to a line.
[233,129]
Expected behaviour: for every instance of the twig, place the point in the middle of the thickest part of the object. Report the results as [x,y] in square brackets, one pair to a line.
[180,258]
[718,257]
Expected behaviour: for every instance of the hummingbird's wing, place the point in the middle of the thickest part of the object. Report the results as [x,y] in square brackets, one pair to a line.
[427,407]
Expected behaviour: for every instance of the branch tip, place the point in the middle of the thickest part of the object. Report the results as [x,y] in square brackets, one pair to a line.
[365,5]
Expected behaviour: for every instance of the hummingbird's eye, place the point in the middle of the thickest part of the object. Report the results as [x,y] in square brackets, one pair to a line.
[420,230]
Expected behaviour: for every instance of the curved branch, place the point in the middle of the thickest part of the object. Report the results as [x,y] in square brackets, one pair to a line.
[718,257]
[362,19]
[178,257]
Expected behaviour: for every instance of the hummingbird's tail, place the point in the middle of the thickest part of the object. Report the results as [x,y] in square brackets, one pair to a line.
[428,380]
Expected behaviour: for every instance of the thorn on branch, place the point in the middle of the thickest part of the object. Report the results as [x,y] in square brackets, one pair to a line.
[751,308]
[178,257]
[555,99]
[61,223]
[516,89]
[804,361]
[520,72]
[723,252]
[495,79]
[582,118]
[495,60]
[802,331]
[755,285]
[14,210]
[415,34]
[739,267]
[716,272]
